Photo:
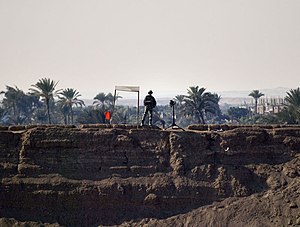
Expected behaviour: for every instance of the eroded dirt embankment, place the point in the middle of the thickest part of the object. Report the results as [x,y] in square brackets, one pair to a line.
[98,175]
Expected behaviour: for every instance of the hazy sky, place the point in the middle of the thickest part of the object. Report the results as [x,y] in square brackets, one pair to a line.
[163,45]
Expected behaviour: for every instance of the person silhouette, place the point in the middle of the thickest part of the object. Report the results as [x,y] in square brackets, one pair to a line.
[150,104]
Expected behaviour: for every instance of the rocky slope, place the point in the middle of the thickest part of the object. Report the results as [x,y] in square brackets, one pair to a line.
[121,175]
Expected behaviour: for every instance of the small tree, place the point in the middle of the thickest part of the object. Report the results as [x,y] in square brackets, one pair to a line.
[68,98]
[12,98]
[198,103]
[90,115]
[104,101]
[293,105]
[18,106]
[45,88]
[256,94]
[236,113]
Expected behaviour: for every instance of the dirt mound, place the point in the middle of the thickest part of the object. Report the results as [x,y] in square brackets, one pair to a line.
[121,175]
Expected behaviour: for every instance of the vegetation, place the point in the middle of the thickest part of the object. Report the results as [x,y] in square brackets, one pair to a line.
[90,115]
[238,114]
[17,107]
[46,104]
[200,104]
[67,98]
[45,89]
[105,101]
[256,94]
[291,112]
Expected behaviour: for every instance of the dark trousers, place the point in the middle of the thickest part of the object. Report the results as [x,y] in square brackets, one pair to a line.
[150,112]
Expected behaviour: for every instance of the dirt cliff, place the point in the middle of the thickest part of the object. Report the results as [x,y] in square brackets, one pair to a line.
[122,175]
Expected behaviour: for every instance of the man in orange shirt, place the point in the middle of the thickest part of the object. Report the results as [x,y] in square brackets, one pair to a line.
[107,117]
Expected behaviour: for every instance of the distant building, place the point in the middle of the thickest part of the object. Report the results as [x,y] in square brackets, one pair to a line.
[269,106]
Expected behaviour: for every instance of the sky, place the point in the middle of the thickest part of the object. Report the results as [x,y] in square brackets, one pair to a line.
[163,45]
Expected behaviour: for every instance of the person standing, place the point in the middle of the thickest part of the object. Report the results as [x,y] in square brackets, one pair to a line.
[149,103]
[107,117]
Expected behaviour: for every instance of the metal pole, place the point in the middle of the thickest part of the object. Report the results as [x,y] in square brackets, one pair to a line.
[114,105]
[138,108]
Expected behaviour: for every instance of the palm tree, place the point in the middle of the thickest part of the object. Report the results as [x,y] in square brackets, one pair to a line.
[293,104]
[180,99]
[68,99]
[12,98]
[213,107]
[102,99]
[17,104]
[110,99]
[45,88]
[198,103]
[28,105]
[256,94]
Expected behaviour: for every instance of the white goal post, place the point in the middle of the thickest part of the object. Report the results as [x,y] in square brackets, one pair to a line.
[128,89]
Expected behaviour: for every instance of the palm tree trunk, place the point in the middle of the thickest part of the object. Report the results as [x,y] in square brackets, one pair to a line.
[199,117]
[48,111]
[15,112]
[72,114]
[65,119]
[255,111]
[202,118]
[14,109]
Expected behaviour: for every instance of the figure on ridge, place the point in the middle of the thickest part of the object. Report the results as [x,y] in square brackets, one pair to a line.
[150,104]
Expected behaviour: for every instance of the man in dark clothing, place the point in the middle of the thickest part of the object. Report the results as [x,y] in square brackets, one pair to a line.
[149,103]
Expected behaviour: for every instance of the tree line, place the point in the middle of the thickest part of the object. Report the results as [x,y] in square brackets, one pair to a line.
[44,104]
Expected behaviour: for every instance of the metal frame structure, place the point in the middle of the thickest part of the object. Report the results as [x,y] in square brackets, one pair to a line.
[128,89]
